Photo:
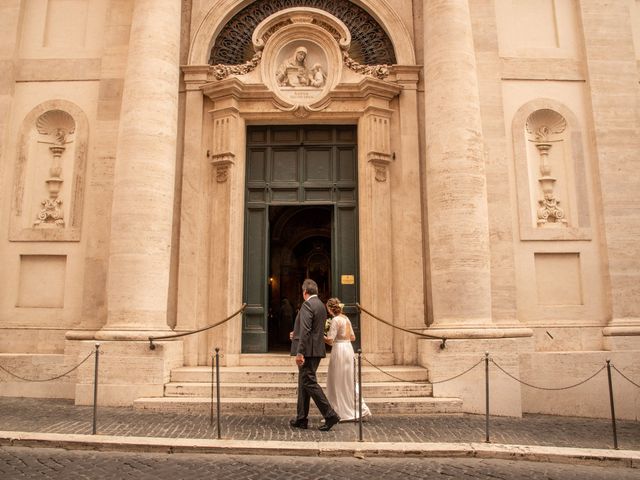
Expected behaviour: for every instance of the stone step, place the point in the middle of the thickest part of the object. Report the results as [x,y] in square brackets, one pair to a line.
[269,359]
[287,406]
[289,374]
[288,390]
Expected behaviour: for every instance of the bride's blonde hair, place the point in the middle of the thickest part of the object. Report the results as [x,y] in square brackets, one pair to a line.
[334,305]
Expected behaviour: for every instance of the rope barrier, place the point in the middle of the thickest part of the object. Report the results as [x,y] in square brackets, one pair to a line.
[166,337]
[419,334]
[546,388]
[625,377]
[47,379]
[427,382]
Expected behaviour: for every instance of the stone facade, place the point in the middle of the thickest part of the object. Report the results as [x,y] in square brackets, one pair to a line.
[497,181]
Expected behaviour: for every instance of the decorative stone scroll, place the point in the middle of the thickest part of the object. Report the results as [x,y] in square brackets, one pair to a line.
[544,126]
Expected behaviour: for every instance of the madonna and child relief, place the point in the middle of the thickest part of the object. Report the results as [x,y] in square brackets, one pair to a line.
[301,74]
[294,72]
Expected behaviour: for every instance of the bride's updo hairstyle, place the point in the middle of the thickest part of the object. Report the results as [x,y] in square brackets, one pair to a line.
[334,306]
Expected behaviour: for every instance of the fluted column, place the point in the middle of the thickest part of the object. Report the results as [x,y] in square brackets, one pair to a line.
[142,211]
[459,256]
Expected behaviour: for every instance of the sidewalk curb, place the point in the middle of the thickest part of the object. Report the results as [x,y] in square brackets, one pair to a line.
[584,456]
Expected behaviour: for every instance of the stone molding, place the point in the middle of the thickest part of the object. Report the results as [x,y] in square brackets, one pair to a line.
[70,230]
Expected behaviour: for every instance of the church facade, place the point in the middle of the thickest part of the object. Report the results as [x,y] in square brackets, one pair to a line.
[466,170]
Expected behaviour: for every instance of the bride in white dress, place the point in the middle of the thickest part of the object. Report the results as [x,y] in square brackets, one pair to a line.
[340,375]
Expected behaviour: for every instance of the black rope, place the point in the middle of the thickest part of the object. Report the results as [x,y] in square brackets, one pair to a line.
[166,337]
[625,377]
[420,334]
[420,382]
[46,379]
[546,388]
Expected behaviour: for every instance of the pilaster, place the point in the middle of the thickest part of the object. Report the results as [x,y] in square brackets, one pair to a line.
[406,213]
[376,261]
[192,274]
[613,80]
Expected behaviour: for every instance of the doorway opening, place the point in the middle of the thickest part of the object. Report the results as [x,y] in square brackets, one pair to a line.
[300,247]
[301,220]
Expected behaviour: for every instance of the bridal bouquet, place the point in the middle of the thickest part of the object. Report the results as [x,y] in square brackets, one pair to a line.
[327,325]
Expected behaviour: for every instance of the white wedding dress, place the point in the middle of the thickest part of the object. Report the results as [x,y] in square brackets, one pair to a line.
[340,385]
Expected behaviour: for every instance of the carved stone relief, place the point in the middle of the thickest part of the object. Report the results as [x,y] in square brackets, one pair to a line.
[544,128]
[306,61]
[57,126]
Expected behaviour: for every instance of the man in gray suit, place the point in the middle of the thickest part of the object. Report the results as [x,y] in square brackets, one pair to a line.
[307,344]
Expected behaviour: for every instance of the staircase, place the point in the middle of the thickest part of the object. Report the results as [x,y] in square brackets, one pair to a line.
[266,385]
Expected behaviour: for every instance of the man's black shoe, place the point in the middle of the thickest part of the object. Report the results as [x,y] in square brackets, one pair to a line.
[303,424]
[329,422]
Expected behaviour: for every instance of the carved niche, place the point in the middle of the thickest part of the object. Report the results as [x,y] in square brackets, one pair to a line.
[48,187]
[551,163]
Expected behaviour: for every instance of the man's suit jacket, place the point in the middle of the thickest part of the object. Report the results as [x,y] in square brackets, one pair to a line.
[308,331]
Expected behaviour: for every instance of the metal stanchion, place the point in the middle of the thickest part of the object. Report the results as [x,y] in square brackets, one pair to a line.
[486,389]
[95,390]
[213,366]
[218,389]
[360,395]
[613,408]
[355,394]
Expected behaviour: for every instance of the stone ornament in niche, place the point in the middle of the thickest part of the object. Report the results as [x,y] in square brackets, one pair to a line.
[57,125]
[545,128]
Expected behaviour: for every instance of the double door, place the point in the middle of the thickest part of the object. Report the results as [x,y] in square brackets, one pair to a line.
[301,206]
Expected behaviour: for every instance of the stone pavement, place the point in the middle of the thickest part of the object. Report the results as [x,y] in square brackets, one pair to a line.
[52,463]
[61,416]
[146,444]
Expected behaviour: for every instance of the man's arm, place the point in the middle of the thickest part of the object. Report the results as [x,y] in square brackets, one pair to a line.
[306,321]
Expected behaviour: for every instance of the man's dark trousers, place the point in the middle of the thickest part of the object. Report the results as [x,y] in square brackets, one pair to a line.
[308,388]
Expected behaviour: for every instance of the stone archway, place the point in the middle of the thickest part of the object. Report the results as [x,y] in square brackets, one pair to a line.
[223,11]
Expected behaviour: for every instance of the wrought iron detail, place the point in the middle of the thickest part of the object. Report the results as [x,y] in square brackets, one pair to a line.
[370,44]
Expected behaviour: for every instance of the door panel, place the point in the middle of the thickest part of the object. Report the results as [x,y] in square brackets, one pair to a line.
[254,326]
[346,263]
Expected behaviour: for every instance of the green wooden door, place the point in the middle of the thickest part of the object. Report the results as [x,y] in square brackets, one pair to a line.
[298,165]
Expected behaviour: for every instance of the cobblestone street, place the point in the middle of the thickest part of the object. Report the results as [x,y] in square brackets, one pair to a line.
[61,416]
[17,462]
